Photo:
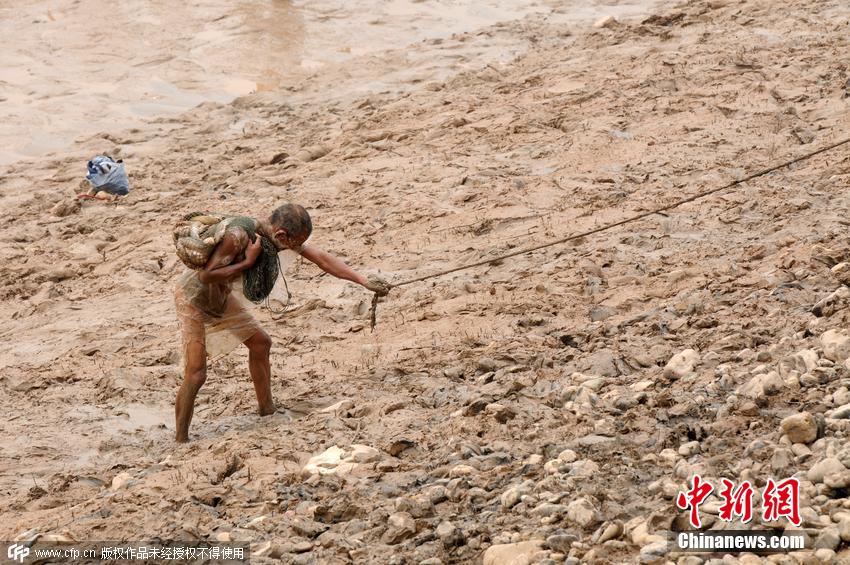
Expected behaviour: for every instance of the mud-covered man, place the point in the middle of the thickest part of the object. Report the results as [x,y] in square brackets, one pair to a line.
[213,319]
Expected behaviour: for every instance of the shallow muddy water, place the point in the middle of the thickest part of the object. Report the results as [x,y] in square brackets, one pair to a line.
[71,69]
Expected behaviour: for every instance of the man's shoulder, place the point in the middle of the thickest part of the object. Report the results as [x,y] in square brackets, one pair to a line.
[236,236]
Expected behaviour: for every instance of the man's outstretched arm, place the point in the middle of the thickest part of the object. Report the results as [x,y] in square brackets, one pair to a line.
[335,266]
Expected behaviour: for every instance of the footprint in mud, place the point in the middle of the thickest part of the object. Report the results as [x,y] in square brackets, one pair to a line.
[288,410]
[136,417]
[299,408]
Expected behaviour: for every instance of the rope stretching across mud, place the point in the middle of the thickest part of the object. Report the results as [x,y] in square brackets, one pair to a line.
[607,227]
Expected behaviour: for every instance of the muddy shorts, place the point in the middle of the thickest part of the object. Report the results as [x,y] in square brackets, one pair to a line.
[219,334]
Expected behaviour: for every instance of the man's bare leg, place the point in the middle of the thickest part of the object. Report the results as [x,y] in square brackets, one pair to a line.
[193,378]
[259,345]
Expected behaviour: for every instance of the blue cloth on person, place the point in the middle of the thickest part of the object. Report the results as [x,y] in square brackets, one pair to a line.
[108,175]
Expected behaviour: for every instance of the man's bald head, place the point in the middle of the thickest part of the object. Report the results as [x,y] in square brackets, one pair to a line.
[292,225]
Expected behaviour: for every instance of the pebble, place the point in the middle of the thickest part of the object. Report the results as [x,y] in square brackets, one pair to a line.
[681,364]
[611,531]
[829,538]
[844,530]
[772,384]
[267,549]
[836,345]
[654,552]
[781,560]
[840,413]
[831,303]
[800,428]
[841,272]
[669,456]
[781,460]
[801,450]
[639,532]
[555,466]
[824,467]
[399,446]
[436,494]
[749,408]
[501,413]
[669,490]
[605,22]
[308,528]
[561,542]
[508,553]
[338,407]
[511,497]
[461,471]
[449,534]
[254,522]
[839,480]
[476,494]
[801,362]
[546,509]
[753,388]
[598,313]
[808,380]
[363,454]
[592,440]
[121,480]
[841,397]
[584,468]
[325,462]
[582,512]
[456,489]
[418,506]
[400,526]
